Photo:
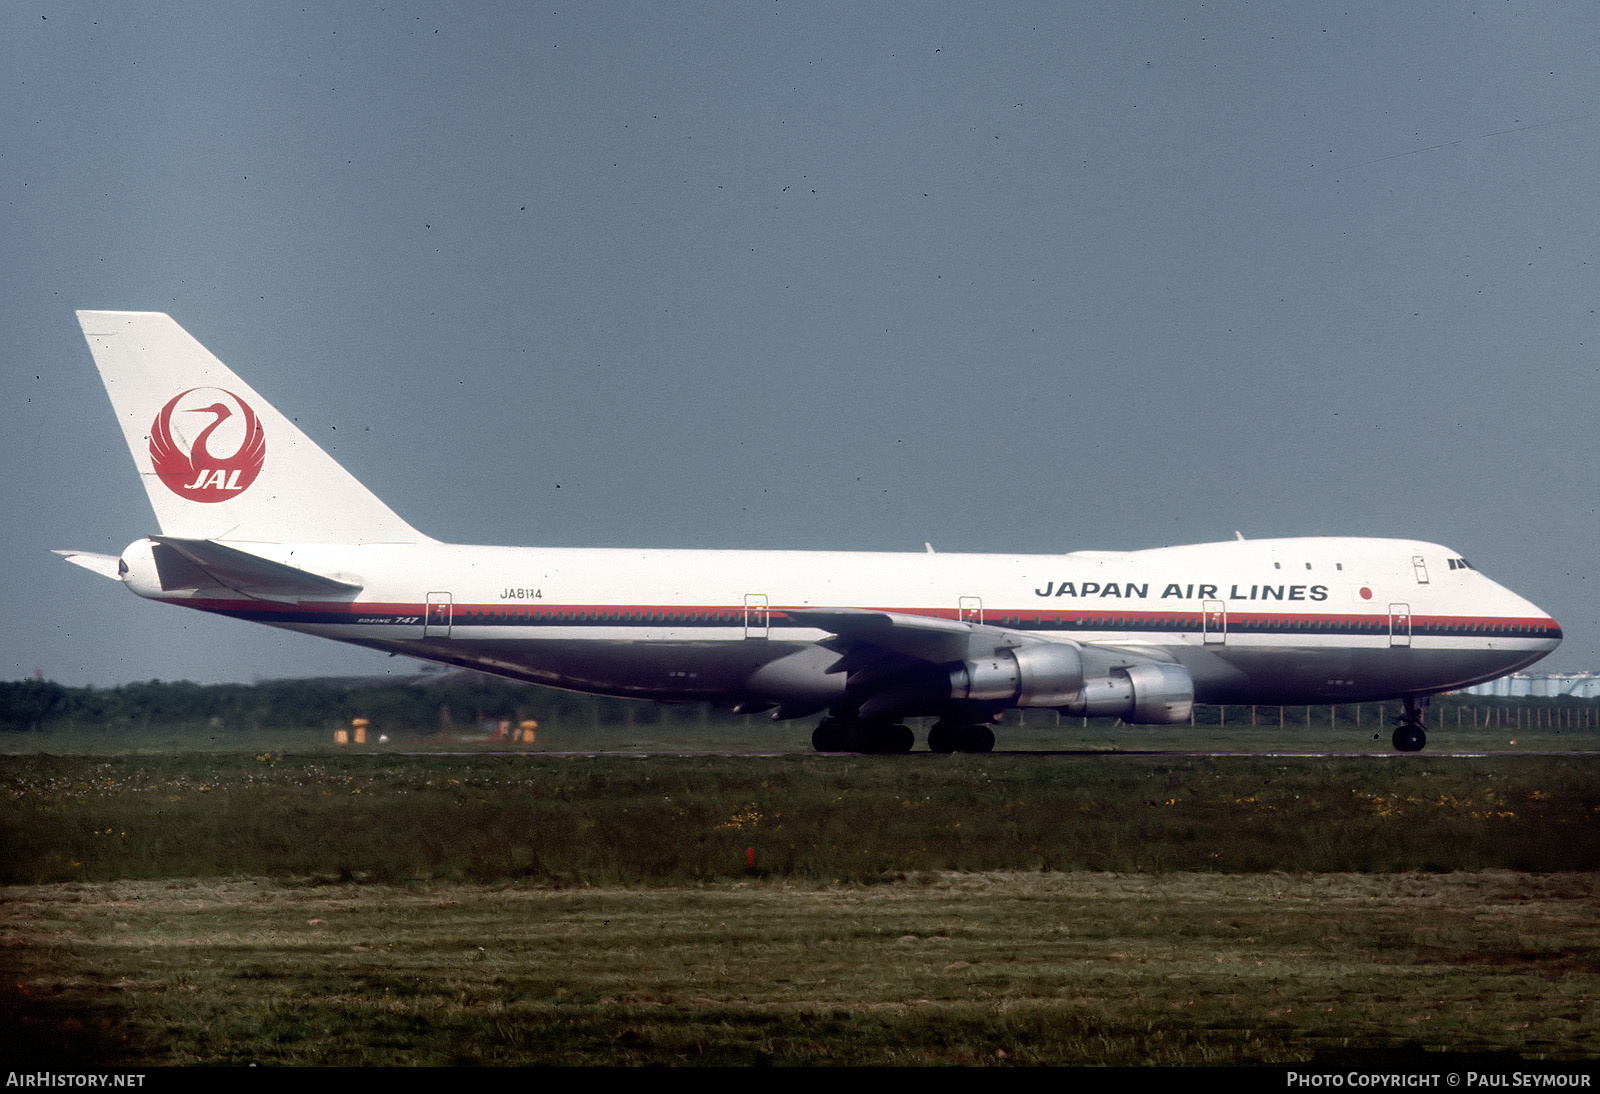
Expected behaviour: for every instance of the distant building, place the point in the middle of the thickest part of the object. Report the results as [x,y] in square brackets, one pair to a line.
[1541,685]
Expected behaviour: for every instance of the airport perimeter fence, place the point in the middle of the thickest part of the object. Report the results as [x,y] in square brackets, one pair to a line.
[471,707]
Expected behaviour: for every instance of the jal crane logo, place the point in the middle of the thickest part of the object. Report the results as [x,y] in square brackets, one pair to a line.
[206,445]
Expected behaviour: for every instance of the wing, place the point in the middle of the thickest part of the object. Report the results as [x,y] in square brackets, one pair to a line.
[926,638]
[899,665]
[894,662]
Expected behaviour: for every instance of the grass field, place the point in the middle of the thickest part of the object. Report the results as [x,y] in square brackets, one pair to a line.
[347,907]
[1075,968]
[622,820]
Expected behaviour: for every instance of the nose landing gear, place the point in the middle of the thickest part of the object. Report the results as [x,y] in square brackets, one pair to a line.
[1410,735]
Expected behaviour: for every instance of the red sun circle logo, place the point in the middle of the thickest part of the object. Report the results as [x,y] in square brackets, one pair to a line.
[206,445]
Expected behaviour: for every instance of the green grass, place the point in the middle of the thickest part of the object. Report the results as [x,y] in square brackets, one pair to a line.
[356,907]
[609,820]
[935,969]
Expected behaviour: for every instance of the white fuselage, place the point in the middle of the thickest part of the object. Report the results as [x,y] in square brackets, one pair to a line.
[1326,620]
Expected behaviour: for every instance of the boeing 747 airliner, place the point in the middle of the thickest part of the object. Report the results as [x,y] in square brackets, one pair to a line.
[259,523]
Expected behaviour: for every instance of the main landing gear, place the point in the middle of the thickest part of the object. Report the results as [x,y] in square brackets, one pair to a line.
[849,735]
[955,737]
[836,734]
[1410,735]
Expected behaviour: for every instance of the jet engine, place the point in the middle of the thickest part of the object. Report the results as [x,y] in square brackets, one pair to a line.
[1025,676]
[1144,693]
[1050,675]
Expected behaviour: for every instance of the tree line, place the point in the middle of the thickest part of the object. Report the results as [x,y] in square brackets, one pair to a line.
[450,702]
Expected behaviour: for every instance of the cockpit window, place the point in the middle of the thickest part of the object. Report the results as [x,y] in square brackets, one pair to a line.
[1461,564]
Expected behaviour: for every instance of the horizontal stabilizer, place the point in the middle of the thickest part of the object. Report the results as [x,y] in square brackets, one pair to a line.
[104,565]
[254,576]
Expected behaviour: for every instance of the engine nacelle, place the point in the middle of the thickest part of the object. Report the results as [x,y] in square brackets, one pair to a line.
[1048,675]
[1027,676]
[1144,693]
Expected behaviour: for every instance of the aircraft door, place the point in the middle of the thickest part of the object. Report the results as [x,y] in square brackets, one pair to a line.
[756,616]
[436,620]
[1399,624]
[970,609]
[1214,622]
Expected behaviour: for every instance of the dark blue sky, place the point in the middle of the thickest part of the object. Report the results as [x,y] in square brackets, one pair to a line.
[1003,277]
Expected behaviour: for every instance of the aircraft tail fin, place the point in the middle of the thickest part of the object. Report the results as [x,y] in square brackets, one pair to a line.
[217,460]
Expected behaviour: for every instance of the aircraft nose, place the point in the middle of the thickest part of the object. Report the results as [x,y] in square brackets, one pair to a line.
[1537,626]
[1550,630]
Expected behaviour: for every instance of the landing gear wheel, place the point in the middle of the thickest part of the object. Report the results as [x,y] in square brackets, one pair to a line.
[885,739]
[848,735]
[954,737]
[944,737]
[1409,738]
[976,739]
[1409,734]
[831,735]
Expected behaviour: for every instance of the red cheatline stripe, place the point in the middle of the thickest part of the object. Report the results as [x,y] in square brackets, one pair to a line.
[734,615]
